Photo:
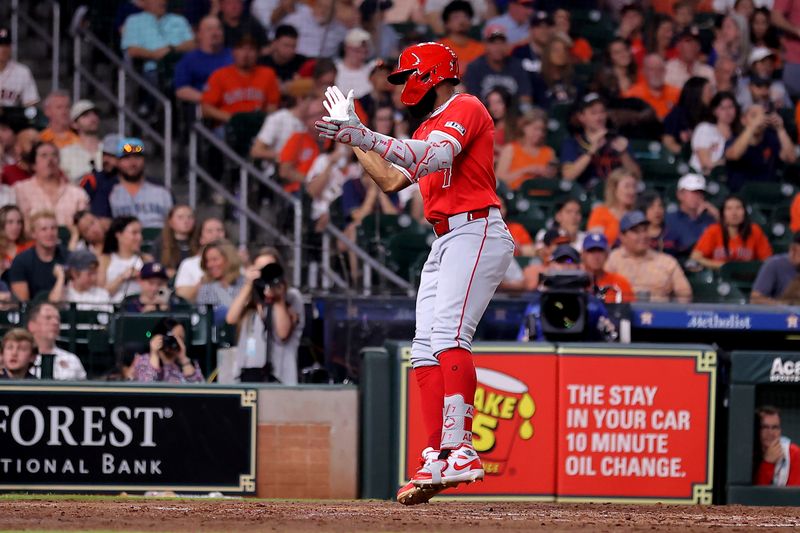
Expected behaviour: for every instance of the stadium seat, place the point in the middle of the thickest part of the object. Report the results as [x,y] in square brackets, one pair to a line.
[767,196]
[740,274]
[722,292]
[404,249]
[534,218]
[595,27]
[242,129]
[379,227]
[63,235]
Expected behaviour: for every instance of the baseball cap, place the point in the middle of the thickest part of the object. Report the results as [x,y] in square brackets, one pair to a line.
[541,17]
[79,108]
[595,241]
[81,260]
[565,253]
[357,37]
[5,37]
[494,31]
[555,236]
[692,182]
[758,53]
[631,219]
[153,270]
[111,143]
[690,32]
[762,82]
[130,146]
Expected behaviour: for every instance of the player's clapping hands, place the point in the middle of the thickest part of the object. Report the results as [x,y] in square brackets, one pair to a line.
[342,124]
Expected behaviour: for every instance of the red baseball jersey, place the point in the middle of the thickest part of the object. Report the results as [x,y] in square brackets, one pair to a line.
[470,184]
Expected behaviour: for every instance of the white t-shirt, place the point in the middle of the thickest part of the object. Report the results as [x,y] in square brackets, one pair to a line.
[262,11]
[77,161]
[333,189]
[707,136]
[66,366]
[95,299]
[17,87]
[278,127]
[189,273]
[356,79]
[116,267]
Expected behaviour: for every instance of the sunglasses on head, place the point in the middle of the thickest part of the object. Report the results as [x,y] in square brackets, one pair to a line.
[132,148]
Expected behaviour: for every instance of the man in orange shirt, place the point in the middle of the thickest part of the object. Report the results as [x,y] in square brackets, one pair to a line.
[59,126]
[457,17]
[242,87]
[616,286]
[653,89]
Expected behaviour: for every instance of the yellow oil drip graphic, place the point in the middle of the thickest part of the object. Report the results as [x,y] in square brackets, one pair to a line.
[526,409]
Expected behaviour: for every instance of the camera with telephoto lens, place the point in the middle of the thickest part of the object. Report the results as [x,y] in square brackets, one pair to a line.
[271,276]
[564,304]
[170,343]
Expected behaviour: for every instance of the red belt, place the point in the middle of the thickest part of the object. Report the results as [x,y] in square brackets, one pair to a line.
[443,226]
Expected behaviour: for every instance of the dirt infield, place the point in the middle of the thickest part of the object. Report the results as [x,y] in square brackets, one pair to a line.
[303,516]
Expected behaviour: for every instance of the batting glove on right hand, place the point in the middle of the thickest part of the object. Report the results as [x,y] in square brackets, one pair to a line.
[342,123]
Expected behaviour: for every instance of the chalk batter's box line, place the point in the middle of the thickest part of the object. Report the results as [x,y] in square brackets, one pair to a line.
[248,399]
[705,363]
[514,349]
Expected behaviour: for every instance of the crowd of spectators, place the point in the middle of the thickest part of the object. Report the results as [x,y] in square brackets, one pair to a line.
[711,88]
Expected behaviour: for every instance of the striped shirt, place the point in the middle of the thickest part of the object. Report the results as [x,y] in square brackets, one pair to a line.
[150,204]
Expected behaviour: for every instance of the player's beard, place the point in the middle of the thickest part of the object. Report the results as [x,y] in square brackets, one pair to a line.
[425,106]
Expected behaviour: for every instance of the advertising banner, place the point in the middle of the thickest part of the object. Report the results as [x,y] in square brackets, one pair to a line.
[582,423]
[96,438]
[514,429]
[635,425]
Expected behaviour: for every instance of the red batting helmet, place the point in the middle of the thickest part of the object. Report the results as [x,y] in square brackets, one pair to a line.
[421,67]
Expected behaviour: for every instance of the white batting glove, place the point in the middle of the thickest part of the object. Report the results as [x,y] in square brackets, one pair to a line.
[342,124]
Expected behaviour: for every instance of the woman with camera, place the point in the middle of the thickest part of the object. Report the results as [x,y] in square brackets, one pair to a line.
[167,360]
[269,319]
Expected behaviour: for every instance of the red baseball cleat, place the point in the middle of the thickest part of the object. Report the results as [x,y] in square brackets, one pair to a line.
[411,494]
[461,465]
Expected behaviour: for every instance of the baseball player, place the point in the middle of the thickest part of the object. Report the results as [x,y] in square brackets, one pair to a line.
[451,157]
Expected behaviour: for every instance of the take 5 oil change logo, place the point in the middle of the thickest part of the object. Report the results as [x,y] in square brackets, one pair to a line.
[503,412]
[513,429]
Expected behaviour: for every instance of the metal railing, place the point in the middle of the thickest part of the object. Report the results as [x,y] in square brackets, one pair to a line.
[331,234]
[246,170]
[51,37]
[82,36]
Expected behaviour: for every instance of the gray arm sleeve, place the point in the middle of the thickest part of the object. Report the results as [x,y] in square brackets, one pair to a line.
[419,158]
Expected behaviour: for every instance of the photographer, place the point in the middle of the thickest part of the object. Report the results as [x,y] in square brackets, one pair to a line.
[154,295]
[563,308]
[594,151]
[269,319]
[167,361]
[753,155]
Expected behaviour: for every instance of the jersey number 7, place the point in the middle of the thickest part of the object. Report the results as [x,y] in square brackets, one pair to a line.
[447,175]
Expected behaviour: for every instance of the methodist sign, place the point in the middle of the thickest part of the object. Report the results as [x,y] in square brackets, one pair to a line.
[109,438]
[583,423]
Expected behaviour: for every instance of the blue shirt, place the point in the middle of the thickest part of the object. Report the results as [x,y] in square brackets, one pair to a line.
[775,275]
[196,66]
[515,31]
[603,162]
[144,30]
[756,164]
[682,232]
[481,78]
